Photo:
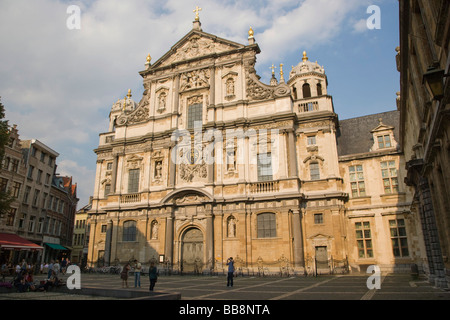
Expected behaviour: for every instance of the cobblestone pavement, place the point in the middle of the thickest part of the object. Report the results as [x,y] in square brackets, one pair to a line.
[204,288]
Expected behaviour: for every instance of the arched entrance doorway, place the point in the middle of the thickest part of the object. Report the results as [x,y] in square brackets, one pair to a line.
[192,251]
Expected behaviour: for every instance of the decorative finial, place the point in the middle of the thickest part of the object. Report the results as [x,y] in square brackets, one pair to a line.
[149,58]
[251,33]
[281,73]
[273,69]
[197,9]
[305,57]
[129,93]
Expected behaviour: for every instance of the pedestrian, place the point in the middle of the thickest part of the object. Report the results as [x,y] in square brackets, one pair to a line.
[56,267]
[63,266]
[230,264]
[153,275]
[124,275]
[50,269]
[137,273]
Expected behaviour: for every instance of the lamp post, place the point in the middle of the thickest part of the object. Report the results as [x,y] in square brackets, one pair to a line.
[433,81]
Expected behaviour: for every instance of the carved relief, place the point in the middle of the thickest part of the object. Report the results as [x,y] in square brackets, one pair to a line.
[194,80]
[188,172]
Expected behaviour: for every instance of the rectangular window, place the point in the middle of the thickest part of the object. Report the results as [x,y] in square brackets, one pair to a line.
[314,171]
[15,165]
[389,175]
[357,183]
[195,114]
[364,239]
[267,227]
[265,167]
[399,238]
[384,141]
[27,194]
[318,218]
[22,221]
[36,197]
[3,185]
[133,181]
[311,140]
[107,190]
[31,224]
[11,216]
[30,172]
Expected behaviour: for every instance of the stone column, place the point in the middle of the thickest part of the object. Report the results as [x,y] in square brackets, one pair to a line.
[299,260]
[168,248]
[172,165]
[292,155]
[210,241]
[108,243]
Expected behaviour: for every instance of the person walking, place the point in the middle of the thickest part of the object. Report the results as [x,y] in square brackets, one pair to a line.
[230,264]
[124,275]
[153,275]
[137,273]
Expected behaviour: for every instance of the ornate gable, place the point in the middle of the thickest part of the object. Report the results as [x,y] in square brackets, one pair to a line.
[196,45]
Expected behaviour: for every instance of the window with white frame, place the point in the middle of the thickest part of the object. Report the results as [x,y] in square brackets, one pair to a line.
[390,176]
[357,183]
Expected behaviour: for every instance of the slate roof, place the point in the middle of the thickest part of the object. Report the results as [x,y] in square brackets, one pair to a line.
[354,135]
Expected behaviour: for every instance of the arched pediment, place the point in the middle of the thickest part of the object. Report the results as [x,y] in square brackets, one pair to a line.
[187,196]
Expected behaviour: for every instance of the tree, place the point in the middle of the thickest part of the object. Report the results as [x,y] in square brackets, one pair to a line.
[5,197]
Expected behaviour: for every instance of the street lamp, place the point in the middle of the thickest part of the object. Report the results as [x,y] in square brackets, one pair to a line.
[433,81]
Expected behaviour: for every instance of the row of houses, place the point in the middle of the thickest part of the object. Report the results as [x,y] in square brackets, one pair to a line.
[38,227]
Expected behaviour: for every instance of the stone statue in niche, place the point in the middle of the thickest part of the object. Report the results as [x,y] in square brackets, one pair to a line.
[231,227]
[158,169]
[230,87]
[154,230]
[162,102]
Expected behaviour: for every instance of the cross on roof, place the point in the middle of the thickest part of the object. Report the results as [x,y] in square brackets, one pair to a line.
[197,9]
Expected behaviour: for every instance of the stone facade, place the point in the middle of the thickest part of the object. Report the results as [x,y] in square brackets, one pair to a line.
[213,163]
[425,130]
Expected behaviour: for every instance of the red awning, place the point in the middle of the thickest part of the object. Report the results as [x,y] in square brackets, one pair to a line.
[14,242]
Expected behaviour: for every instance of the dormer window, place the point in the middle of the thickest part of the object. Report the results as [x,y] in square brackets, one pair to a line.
[383,137]
[384,141]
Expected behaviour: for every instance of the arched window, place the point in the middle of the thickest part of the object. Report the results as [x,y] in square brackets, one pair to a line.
[129,231]
[306,91]
[319,89]
[266,224]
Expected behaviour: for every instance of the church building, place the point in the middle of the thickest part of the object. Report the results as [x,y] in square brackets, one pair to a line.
[211,163]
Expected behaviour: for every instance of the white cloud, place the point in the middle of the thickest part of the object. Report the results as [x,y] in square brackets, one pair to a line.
[58,84]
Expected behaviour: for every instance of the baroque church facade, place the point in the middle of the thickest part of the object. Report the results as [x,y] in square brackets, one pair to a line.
[212,163]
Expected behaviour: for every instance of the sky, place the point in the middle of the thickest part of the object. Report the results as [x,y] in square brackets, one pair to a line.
[58,83]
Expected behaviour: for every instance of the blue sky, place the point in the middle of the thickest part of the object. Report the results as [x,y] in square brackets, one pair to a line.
[58,85]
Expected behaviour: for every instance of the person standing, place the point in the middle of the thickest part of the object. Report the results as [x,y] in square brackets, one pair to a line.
[124,275]
[137,273]
[153,275]
[230,264]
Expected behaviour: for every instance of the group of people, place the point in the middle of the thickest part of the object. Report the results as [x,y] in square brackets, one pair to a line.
[137,266]
[54,265]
